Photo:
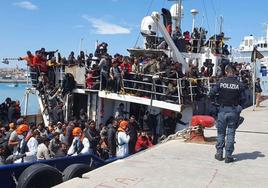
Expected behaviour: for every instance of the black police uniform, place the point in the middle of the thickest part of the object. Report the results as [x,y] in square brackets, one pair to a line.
[231,97]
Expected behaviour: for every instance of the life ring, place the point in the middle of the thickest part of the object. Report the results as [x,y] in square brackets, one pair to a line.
[39,175]
[75,170]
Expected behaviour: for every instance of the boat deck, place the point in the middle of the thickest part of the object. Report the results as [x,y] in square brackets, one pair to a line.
[179,164]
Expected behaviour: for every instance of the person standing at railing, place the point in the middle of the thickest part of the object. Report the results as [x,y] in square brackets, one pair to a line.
[136,70]
[71,59]
[104,66]
[115,76]
[89,80]
[171,90]
[52,64]
[37,60]
[126,68]
[32,66]
[81,59]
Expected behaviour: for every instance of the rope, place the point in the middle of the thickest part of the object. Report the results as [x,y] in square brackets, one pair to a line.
[180,134]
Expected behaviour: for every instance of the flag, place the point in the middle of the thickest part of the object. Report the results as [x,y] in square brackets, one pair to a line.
[256,55]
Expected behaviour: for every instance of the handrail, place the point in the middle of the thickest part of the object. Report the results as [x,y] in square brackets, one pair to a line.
[156,90]
[180,87]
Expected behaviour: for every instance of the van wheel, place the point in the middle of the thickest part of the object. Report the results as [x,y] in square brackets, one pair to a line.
[75,170]
[39,176]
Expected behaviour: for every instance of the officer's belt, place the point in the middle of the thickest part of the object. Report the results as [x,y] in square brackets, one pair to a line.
[222,105]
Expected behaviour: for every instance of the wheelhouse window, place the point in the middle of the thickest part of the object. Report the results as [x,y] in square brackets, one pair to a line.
[250,42]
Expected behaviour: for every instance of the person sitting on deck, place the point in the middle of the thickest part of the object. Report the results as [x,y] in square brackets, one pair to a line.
[54,144]
[28,149]
[143,142]
[42,150]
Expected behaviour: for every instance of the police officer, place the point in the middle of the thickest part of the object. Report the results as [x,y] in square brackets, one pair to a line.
[231,97]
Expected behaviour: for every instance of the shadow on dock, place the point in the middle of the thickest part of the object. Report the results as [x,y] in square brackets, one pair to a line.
[248,156]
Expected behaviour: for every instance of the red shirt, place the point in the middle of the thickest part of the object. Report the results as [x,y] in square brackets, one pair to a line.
[43,66]
[126,67]
[40,63]
[89,81]
[36,61]
[29,60]
[142,143]
[187,36]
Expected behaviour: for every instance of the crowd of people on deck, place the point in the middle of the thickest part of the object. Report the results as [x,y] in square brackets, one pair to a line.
[122,134]
[127,74]
[188,41]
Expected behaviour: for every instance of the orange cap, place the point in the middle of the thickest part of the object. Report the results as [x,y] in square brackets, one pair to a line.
[123,124]
[77,131]
[22,128]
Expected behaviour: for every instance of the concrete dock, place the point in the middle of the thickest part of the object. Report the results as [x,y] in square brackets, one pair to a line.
[178,164]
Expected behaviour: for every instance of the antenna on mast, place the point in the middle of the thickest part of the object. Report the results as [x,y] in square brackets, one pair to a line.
[81,44]
[221,23]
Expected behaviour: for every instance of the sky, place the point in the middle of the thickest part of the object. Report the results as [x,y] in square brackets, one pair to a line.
[63,24]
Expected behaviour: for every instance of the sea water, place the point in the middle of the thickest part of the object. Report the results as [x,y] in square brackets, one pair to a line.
[18,93]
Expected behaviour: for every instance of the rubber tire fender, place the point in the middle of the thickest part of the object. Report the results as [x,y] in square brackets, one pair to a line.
[75,170]
[39,176]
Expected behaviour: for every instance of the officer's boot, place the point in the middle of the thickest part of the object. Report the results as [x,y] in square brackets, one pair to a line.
[229,159]
[219,157]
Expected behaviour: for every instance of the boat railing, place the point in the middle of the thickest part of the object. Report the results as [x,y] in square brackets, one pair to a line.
[180,90]
[156,86]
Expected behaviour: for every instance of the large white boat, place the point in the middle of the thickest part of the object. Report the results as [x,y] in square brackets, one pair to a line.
[101,104]
[244,52]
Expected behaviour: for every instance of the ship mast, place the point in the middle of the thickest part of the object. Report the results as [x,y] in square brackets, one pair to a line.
[177,13]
